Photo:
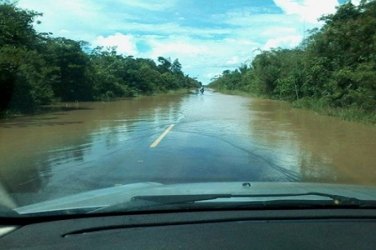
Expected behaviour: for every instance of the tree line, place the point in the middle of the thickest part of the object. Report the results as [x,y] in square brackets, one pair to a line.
[38,69]
[334,66]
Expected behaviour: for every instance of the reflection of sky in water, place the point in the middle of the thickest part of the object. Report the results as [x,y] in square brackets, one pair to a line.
[112,136]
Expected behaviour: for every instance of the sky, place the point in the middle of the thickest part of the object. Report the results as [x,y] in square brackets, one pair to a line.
[207,36]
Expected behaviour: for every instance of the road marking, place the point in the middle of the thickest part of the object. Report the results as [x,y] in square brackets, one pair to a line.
[160,138]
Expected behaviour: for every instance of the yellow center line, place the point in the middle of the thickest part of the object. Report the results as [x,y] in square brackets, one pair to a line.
[160,138]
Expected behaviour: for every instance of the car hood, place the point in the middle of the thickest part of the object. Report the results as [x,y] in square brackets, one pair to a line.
[123,193]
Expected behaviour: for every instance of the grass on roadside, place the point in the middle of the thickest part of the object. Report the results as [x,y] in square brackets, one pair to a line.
[348,114]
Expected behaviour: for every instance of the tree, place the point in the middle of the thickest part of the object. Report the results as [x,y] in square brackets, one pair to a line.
[164,64]
[73,80]
[36,69]
[16,27]
[23,72]
[176,67]
[335,65]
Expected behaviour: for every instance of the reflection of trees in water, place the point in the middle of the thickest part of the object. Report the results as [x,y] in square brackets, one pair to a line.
[26,177]
[148,114]
[22,183]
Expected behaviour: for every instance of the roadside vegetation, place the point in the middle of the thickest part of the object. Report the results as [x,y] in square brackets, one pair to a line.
[38,69]
[333,71]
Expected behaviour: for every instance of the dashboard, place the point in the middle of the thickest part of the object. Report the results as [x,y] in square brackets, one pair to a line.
[230,229]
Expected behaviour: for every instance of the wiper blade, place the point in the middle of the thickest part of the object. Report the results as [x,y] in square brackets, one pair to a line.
[7,212]
[174,199]
[168,201]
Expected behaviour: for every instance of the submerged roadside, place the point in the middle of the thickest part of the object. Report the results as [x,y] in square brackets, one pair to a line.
[77,105]
[354,114]
[346,113]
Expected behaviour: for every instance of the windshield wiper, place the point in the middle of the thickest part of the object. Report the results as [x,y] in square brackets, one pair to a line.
[167,201]
[7,212]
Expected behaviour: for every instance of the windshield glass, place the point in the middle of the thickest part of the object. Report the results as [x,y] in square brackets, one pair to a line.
[125,105]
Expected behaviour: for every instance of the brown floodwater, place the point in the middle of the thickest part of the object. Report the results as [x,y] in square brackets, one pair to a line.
[47,151]
[322,146]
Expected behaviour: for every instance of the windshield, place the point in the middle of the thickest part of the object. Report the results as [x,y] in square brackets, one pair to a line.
[109,106]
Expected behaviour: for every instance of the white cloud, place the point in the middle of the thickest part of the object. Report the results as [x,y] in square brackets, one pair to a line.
[126,44]
[283,42]
[154,5]
[77,19]
[183,46]
[202,58]
[233,38]
[234,60]
[355,2]
[276,31]
[307,10]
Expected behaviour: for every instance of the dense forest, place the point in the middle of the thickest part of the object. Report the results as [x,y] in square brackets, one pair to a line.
[38,69]
[333,69]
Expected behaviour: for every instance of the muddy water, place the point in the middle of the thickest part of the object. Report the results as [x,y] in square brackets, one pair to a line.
[37,150]
[322,148]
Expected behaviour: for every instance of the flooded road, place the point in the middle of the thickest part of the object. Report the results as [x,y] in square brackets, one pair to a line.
[179,138]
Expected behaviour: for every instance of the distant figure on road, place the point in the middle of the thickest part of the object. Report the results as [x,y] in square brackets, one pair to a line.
[202,90]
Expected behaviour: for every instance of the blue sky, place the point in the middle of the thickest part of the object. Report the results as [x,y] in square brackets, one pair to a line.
[208,36]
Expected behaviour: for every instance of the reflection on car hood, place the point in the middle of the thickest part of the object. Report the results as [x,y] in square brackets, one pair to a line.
[123,193]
